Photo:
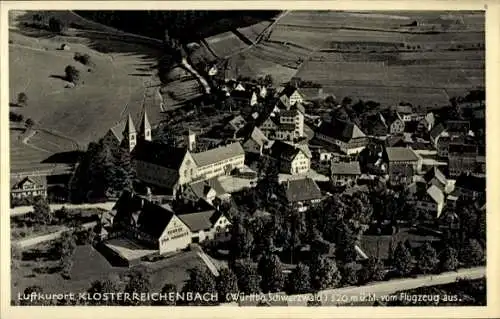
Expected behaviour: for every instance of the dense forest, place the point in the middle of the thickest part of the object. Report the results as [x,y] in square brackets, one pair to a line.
[185,26]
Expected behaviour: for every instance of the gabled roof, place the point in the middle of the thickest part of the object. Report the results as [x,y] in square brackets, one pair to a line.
[150,218]
[145,125]
[160,154]
[302,190]
[434,172]
[390,116]
[251,132]
[288,91]
[343,168]
[437,130]
[37,180]
[218,154]
[341,130]
[200,220]
[399,154]
[285,151]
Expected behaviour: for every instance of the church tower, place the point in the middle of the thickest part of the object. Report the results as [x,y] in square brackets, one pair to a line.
[130,134]
[190,140]
[145,128]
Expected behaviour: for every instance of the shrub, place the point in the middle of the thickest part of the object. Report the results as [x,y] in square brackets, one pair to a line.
[72,74]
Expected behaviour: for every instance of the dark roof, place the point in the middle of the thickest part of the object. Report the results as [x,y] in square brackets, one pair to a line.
[434,172]
[199,221]
[283,150]
[341,130]
[471,182]
[152,219]
[302,190]
[288,90]
[241,94]
[389,116]
[437,130]
[160,154]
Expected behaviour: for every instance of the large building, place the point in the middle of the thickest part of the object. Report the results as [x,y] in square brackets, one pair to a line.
[169,168]
[291,159]
[403,164]
[345,135]
[344,173]
[28,187]
[284,124]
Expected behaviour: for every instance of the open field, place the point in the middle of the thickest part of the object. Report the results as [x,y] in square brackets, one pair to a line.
[122,80]
[225,44]
[89,265]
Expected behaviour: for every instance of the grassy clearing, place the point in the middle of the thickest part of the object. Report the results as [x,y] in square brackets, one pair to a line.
[23,157]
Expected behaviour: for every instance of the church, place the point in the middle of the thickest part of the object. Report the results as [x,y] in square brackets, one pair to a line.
[168,169]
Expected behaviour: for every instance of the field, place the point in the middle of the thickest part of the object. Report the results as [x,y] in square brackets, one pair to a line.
[385,56]
[89,265]
[114,87]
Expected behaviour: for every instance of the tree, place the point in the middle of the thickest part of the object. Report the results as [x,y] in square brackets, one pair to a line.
[22,99]
[241,244]
[324,273]
[168,290]
[100,288]
[72,74]
[139,282]
[268,80]
[41,211]
[29,123]
[472,254]
[427,260]
[226,284]
[349,273]
[248,276]
[299,281]
[56,25]
[271,271]
[373,270]
[200,281]
[448,259]
[402,259]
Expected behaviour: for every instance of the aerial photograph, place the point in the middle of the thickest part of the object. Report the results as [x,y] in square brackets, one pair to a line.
[247,158]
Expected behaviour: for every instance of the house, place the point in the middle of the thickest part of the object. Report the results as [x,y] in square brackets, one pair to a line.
[393,122]
[253,140]
[292,159]
[152,225]
[437,132]
[311,94]
[205,225]
[344,173]
[462,158]
[27,187]
[236,123]
[242,98]
[403,164]
[435,177]
[471,187]
[200,190]
[345,135]
[284,125]
[375,125]
[432,201]
[302,193]
[427,123]
[289,96]
[219,161]
[406,113]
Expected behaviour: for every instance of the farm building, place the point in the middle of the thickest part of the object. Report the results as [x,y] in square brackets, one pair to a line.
[343,173]
[302,193]
[403,164]
[345,135]
[292,159]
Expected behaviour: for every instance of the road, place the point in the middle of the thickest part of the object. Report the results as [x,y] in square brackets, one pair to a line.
[21,210]
[335,297]
[28,242]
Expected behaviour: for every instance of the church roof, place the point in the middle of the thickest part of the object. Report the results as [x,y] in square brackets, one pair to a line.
[129,126]
[145,125]
[218,154]
[160,154]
